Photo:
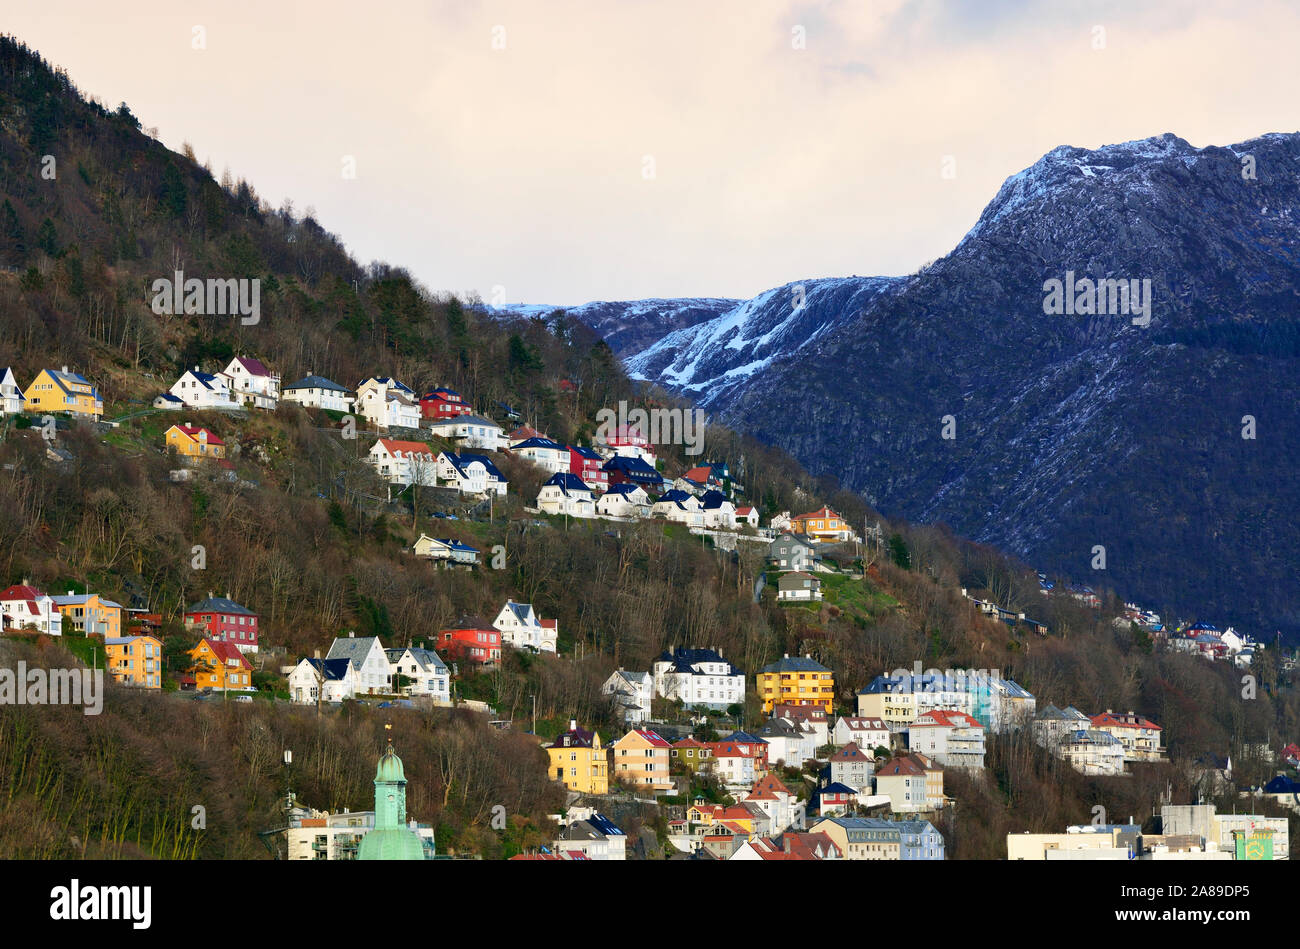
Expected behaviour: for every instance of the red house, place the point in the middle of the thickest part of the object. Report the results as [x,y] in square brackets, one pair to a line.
[443,403]
[223,620]
[589,466]
[472,639]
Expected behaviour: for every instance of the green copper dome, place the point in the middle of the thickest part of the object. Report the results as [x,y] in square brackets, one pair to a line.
[391,839]
[390,767]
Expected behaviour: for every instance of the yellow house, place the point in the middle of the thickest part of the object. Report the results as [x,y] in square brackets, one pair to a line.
[194,442]
[91,614]
[63,391]
[578,761]
[135,660]
[797,681]
[220,666]
[640,759]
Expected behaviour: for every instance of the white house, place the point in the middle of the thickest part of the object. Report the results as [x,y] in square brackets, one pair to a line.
[867,733]
[566,493]
[593,835]
[332,679]
[470,474]
[631,693]
[1092,752]
[428,675]
[252,383]
[624,500]
[788,741]
[317,392]
[387,403]
[950,737]
[545,454]
[521,627]
[733,766]
[445,550]
[402,463]
[747,516]
[22,606]
[470,431]
[719,513]
[798,586]
[679,507]
[782,808]
[201,390]
[853,766]
[11,396]
[367,658]
[698,677]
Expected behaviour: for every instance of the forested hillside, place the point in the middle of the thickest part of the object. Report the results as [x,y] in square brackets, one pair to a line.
[306,536]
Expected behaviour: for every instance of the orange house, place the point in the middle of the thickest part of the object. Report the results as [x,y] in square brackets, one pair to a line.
[220,667]
[90,614]
[193,442]
[822,524]
[135,660]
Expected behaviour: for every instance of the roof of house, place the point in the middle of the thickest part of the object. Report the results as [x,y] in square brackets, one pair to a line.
[225,651]
[654,738]
[836,787]
[395,446]
[220,604]
[822,512]
[254,367]
[590,454]
[568,483]
[633,466]
[744,511]
[443,393]
[850,752]
[538,442]
[1089,736]
[1120,720]
[794,664]
[20,591]
[577,738]
[462,461]
[469,621]
[861,723]
[945,718]
[316,382]
[64,379]
[192,431]
[355,649]
[427,659]
[767,788]
[332,670]
[80,599]
[713,500]
[624,488]
[904,766]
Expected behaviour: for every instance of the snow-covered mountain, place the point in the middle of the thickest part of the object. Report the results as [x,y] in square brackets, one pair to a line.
[1074,429]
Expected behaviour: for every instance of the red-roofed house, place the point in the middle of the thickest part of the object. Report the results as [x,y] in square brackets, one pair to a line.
[950,737]
[868,733]
[22,606]
[402,462]
[640,759]
[691,754]
[783,810]
[1139,736]
[191,441]
[852,766]
[790,846]
[911,782]
[221,667]
[747,515]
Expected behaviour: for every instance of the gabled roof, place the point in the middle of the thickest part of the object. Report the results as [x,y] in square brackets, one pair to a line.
[851,752]
[462,461]
[904,766]
[20,591]
[634,467]
[713,500]
[192,432]
[80,599]
[768,788]
[254,367]
[65,381]
[469,621]
[444,394]
[822,512]
[224,651]
[590,454]
[427,659]
[355,649]
[836,787]
[624,487]
[577,738]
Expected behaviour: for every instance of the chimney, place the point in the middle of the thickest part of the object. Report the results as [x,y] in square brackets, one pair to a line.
[316,653]
[351,634]
[573,724]
[786,656]
[70,593]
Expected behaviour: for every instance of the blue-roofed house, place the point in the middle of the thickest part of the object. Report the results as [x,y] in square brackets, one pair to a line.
[698,677]
[470,474]
[56,390]
[446,551]
[317,392]
[566,493]
[632,469]
[920,840]
[330,680]
[546,454]
[679,507]
[421,673]
[624,500]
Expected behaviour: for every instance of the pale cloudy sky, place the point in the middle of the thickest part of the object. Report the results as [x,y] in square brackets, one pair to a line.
[523,170]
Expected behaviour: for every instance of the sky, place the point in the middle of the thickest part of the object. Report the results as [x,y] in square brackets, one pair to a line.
[563,152]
